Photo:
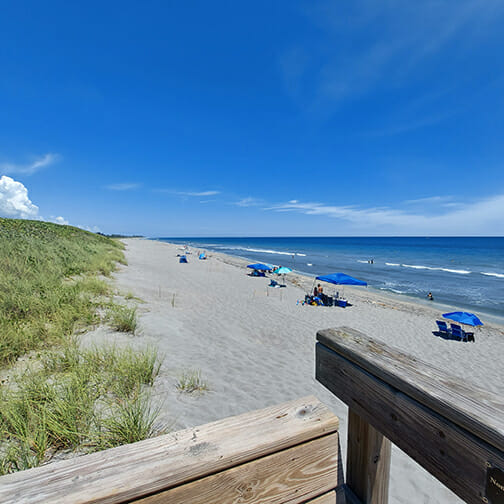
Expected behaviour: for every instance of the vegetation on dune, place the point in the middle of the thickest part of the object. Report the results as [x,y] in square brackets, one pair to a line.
[46,291]
[64,397]
[123,319]
[77,400]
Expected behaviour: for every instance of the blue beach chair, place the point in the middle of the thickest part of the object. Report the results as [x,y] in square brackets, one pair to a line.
[457,332]
[443,328]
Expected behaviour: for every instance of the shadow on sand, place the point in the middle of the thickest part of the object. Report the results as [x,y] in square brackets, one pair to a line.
[449,336]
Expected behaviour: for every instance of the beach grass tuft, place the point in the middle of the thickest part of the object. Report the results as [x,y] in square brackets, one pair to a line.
[123,318]
[191,381]
[132,420]
[78,400]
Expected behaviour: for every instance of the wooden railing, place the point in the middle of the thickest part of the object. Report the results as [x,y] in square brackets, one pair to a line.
[290,453]
[452,429]
[286,453]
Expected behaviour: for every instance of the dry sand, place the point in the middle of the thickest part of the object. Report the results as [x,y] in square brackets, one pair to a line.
[255,345]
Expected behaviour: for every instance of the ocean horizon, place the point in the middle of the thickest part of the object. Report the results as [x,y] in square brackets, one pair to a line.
[464,272]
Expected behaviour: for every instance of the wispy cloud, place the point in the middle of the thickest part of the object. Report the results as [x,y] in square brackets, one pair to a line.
[123,186]
[365,46]
[249,201]
[201,193]
[29,168]
[480,217]
[428,200]
[195,194]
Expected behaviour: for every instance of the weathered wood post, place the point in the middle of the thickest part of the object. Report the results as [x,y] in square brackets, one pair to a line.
[368,461]
[451,428]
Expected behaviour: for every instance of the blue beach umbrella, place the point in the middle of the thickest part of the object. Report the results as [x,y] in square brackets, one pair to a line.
[282,270]
[464,318]
[341,279]
[260,267]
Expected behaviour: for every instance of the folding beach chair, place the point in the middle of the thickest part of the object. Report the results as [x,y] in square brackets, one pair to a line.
[457,332]
[443,327]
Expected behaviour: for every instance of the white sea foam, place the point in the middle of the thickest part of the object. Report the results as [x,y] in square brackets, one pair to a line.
[397,291]
[448,270]
[365,262]
[309,264]
[498,275]
[261,251]
[414,266]
[300,255]
[460,272]
[392,264]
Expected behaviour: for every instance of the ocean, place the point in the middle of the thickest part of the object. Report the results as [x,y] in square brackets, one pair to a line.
[467,273]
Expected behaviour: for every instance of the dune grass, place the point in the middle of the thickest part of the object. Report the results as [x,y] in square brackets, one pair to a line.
[49,283]
[123,318]
[77,400]
[64,398]
[191,382]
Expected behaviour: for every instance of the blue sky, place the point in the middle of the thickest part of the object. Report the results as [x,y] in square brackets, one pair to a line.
[253,119]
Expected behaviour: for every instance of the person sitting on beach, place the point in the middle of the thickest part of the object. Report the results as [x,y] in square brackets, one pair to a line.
[320,290]
[315,290]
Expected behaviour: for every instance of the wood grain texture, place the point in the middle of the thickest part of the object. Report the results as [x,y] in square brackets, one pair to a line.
[342,495]
[289,476]
[452,454]
[474,409]
[368,461]
[133,471]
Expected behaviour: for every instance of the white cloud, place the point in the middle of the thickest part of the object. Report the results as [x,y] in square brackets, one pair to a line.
[122,187]
[14,201]
[59,220]
[202,193]
[429,200]
[248,202]
[31,168]
[92,229]
[476,218]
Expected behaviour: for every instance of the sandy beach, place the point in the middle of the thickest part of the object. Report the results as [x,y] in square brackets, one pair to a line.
[254,345]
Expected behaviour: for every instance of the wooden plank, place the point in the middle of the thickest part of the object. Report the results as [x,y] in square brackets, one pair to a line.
[289,476]
[368,461]
[133,471]
[342,495]
[474,409]
[453,455]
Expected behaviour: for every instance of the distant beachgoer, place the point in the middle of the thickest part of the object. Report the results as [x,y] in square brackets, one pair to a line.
[315,290]
[430,297]
[320,290]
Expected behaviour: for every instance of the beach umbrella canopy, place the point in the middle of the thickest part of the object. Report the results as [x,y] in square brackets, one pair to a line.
[260,267]
[282,270]
[340,279]
[464,318]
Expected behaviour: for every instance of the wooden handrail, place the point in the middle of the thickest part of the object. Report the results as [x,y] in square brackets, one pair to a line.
[285,453]
[454,430]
